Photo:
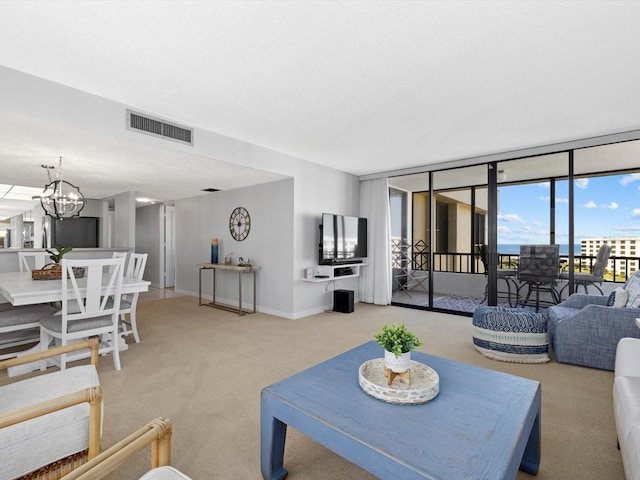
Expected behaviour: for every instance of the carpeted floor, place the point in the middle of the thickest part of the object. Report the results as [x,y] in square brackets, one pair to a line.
[204,369]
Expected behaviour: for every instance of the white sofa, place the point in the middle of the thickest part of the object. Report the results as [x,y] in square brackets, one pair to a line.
[626,404]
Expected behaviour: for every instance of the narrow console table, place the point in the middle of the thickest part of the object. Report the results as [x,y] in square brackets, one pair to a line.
[235,268]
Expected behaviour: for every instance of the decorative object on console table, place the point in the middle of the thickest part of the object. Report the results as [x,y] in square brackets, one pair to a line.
[214,251]
[398,343]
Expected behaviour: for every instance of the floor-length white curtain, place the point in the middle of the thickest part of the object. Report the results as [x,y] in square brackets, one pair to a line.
[375,278]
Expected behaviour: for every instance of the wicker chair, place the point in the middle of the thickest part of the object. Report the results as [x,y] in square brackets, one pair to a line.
[156,433]
[50,424]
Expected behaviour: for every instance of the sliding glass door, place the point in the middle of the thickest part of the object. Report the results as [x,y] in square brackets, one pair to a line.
[460,208]
[532,217]
[410,242]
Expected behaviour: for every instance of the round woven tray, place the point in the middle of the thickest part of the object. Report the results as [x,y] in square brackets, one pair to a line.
[425,383]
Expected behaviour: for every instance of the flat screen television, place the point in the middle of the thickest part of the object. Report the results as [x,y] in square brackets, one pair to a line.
[343,239]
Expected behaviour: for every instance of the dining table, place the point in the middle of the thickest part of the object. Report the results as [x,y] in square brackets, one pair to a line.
[19,288]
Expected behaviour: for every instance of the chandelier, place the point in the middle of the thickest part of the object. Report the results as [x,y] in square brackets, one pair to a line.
[61,199]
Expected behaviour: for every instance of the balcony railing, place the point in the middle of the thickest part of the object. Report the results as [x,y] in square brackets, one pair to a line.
[619,268]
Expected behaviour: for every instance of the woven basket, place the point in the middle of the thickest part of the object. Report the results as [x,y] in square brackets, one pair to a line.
[53,271]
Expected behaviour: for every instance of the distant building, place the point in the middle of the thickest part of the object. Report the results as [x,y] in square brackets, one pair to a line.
[620,247]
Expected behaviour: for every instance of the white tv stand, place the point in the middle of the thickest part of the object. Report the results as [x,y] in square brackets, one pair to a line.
[328,272]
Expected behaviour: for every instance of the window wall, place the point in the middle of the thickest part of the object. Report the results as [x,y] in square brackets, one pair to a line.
[607,207]
[482,215]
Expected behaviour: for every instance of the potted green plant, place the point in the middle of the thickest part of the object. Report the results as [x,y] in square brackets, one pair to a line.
[53,271]
[59,253]
[398,343]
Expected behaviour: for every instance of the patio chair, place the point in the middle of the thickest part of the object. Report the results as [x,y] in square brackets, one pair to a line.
[86,313]
[594,278]
[506,274]
[538,269]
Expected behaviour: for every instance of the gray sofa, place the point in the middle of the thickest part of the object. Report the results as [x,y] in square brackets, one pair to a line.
[583,330]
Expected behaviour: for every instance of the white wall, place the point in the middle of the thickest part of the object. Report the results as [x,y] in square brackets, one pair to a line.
[125,220]
[269,245]
[149,240]
[284,239]
[296,204]
[318,190]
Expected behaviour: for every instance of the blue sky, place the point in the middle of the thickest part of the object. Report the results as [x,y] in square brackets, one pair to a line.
[604,207]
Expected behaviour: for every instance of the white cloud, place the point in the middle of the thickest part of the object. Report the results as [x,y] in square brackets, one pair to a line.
[537,223]
[582,182]
[627,229]
[505,229]
[627,179]
[527,229]
[544,185]
[558,200]
[511,217]
[612,206]
[590,204]
[635,213]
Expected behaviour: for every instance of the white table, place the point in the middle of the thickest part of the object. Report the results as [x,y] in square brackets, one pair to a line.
[20,289]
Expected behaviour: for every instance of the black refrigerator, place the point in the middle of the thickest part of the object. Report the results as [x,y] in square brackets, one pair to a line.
[76,232]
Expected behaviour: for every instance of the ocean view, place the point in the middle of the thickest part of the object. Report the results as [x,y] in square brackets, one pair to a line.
[514,249]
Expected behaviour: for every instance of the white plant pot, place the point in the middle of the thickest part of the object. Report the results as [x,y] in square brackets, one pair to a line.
[397,365]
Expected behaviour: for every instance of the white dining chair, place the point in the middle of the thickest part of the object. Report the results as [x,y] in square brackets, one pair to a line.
[129,302]
[93,311]
[121,255]
[29,261]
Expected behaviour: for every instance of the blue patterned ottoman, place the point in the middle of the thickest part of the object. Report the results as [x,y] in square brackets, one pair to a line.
[511,334]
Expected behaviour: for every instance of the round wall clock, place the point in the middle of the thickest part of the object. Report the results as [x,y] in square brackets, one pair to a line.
[239,223]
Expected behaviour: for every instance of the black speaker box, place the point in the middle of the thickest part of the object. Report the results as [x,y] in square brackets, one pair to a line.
[343,301]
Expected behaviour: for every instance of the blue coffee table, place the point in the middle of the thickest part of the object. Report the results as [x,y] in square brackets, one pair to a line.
[482,424]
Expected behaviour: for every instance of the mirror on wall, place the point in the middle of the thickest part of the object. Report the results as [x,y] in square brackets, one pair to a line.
[22,231]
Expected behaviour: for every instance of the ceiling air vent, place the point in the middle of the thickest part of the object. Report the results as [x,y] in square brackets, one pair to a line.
[160,128]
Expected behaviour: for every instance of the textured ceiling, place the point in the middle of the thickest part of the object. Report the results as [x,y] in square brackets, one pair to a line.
[362,87]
